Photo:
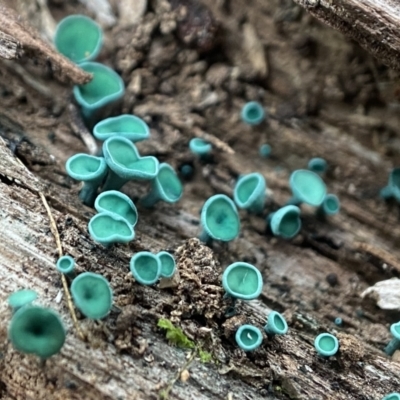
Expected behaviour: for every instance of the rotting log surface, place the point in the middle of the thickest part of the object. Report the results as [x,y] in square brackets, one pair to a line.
[330,112]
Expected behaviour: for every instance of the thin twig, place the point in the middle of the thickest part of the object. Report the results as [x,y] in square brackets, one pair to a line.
[219,144]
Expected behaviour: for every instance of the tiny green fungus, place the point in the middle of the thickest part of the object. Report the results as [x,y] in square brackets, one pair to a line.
[66,265]
[78,38]
[36,330]
[394,344]
[145,267]
[265,150]
[392,396]
[175,335]
[249,192]
[186,171]
[92,295]
[338,321]
[276,324]
[89,169]
[21,298]
[392,190]
[200,147]
[248,337]
[126,125]
[317,165]
[326,344]
[330,205]
[285,222]
[307,187]
[252,113]
[168,264]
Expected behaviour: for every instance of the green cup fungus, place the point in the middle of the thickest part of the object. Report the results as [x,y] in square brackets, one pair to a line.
[219,219]
[392,396]
[276,324]
[66,265]
[249,192]
[252,113]
[248,337]
[200,148]
[392,190]
[145,267]
[242,281]
[107,228]
[166,186]
[394,344]
[307,187]
[265,150]
[89,169]
[106,88]
[125,163]
[36,330]
[330,205]
[92,295]
[285,222]
[326,345]
[118,203]
[126,125]
[168,264]
[317,165]
[78,38]
[21,298]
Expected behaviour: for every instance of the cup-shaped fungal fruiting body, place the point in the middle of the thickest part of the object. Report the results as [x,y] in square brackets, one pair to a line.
[78,38]
[89,169]
[166,186]
[126,164]
[307,187]
[200,148]
[252,113]
[242,281]
[125,125]
[392,190]
[248,337]
[36,330]
[168,264]
[21,298]
[394,344]
[219,219]
[98,95]
[326,345]
[186,171]
[66,265]
[249,192]
[118,203]
[285,222]
[317,165]
[329,206]
[265,150]
[107,228]
[392,396]
[276,324]
[92,295]
[145,267]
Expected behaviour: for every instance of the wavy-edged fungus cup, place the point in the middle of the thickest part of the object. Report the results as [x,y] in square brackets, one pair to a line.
[200,147]
[330,205]
[248,337]
[78,38]
[394,344]
[36,330]
[252,113]
[317,165]
[104,90]
[107,228]
[219,219]
[145,267]
[118,203]
[249,192]
[21,298]
[242,280]
[326,344]
[166,186]
[307,187]
[89,169]
[392,396]
[126,125]
[285,222]
[66,265]
[92,295]
[276,324]
[392,190]
[125,163]
[265,150]
[168,264]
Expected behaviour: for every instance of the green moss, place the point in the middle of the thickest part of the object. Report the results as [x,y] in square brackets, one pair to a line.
[175,335]
[205,356]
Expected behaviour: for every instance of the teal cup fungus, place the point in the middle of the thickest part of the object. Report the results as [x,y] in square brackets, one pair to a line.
[117,203]
[166,186]
[125,163]
[307,187]
[89,169]
[248,337]
[126,125]
[276,324]
[107,228]
[241,280]
[317,165]
[249,192]
[219,219]
[92,295]
[330,205]
[394,344]
[97,96]
[66,265]
[200,147]
[285,222]
[21,298]
[326,345]
[145,267]
[78,38]
[36,330]
[168,265]
[252,113]
[392,396]
[265,150]
[392,190]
